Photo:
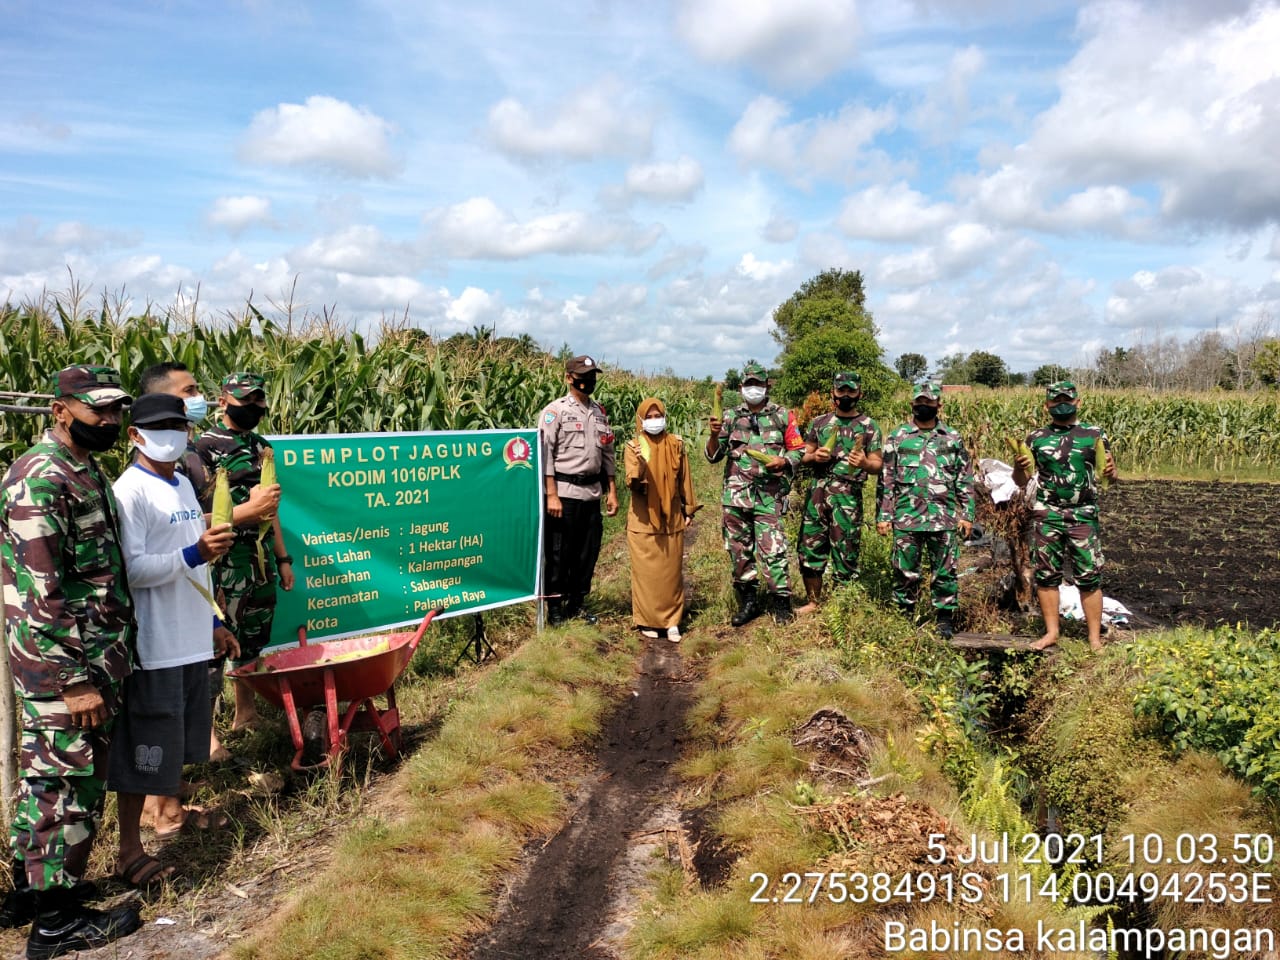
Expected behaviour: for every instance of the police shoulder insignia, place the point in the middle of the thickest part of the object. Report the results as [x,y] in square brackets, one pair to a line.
[549,417]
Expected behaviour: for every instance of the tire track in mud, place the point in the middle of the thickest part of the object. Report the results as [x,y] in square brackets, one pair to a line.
[560,908]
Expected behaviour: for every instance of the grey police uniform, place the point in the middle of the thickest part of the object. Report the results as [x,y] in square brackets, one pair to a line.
[578,450]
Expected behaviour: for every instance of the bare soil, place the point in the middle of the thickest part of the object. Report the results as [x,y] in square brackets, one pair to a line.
[1185,552]
[560,907]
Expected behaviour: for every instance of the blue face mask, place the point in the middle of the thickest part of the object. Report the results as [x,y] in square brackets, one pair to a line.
[197,408]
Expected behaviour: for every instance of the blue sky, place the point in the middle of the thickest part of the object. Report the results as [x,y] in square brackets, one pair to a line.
[647,182]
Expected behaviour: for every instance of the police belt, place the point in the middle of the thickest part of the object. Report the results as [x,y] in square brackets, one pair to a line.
[582,479]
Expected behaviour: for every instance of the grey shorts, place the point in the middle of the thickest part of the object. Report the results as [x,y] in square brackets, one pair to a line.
[163,723]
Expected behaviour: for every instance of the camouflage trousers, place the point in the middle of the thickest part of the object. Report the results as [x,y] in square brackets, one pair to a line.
[756,535]
[831,527]
[248,598]
[1056,536]
[58,810]
[911,548]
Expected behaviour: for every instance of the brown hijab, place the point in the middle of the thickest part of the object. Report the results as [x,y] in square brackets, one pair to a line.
[663,457]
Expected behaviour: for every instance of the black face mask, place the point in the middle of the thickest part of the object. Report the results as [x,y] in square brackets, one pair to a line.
[586,385]
[845,404]
[97,439]
[924,411]
[246,417]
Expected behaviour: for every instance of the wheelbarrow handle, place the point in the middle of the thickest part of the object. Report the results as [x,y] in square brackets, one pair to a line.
[422,628]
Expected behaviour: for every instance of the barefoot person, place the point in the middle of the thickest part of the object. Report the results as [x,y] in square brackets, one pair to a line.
[165,719]
[662,502]
[1064,460]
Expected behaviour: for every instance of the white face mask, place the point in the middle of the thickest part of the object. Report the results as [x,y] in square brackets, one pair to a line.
[754,395]
[655,425]
[163,446]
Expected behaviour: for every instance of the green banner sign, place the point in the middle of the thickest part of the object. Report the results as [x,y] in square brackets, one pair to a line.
[383,527]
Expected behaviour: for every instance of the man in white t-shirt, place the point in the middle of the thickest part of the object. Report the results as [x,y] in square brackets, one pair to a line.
[165,720]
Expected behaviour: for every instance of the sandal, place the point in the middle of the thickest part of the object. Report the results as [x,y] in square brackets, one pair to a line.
[145,872]
[196,819]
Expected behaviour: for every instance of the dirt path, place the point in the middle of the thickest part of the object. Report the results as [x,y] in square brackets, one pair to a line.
[561,908]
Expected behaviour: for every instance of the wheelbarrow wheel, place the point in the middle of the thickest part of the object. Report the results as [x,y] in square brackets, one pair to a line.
[315,737]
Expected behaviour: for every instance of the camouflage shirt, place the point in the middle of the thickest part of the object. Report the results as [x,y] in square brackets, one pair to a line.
[771,430]
[1066,459]
[856,431]
[67,609]
[927,481]
[241,454]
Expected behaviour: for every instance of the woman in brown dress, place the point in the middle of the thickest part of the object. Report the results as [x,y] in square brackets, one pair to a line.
[662,502]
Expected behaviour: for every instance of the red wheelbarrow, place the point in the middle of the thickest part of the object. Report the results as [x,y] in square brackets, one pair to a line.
[350,671]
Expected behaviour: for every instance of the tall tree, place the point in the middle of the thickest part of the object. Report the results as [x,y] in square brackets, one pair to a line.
[988,369]
[832,297]
[1049,373]
[954,368]
[911,367]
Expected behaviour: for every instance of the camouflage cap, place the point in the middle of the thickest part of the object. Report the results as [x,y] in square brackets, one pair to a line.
[1063,388]
[928,390]
[581,366]
[847,378]
[755,371]
[96,386]
[241,384]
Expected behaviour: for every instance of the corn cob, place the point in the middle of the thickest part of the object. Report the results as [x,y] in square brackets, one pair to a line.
[266,479]
[1018,447]
[830,445]
[759,455]
[717,405]
[1100,462]
[222,505]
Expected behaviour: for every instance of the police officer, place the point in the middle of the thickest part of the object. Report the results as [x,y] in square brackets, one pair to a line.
[926,497]
[246,577]
[578,463]
[67,616]
[841,448]
[754,498]
[1064,458]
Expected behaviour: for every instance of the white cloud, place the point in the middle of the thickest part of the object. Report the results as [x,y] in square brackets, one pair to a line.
[797,42]
[597,121]
[1191,110]
[474,308]
[323,133]
[479,229]
[670,182]
[946,107]
[892,212]
[780,228]
[1174,299]
[360,249]
[828,146]
[237,214]
[762,270]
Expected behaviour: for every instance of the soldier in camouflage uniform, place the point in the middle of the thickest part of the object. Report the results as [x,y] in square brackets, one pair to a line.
[927,500]
[755,493]
[1064,459]
[832,524]
[68,614]
[244,578]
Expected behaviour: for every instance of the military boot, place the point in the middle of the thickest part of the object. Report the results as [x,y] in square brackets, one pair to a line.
[781,606]
[63,925]
[19,905]
[748,604]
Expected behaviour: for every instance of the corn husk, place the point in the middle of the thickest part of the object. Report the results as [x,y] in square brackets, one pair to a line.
[830,445]
[717,405]
[1100,462]
[759,455]
[204,592]
[223,507]
[1018,447]
[266,479]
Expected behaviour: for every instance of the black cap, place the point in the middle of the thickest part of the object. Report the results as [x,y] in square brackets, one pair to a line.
[156,408]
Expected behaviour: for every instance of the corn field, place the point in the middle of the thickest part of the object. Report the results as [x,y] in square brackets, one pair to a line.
[1149,433]
[322,378]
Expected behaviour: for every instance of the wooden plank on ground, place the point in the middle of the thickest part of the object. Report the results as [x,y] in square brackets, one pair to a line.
[991,641]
